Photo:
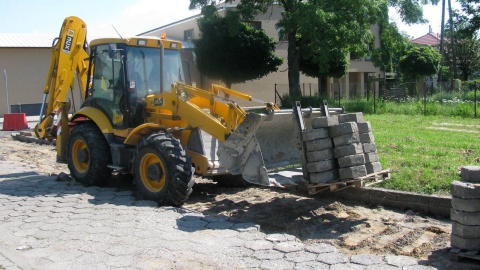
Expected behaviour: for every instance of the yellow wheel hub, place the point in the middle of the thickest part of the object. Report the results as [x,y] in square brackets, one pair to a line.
[152,172]
[80,156]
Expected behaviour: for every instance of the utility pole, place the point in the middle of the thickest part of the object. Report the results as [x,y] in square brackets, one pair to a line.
[452,41]
[441,41]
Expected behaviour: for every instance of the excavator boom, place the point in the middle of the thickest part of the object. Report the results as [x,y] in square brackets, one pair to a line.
[69,59]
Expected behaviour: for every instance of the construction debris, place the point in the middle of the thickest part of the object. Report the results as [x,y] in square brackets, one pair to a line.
[28,137]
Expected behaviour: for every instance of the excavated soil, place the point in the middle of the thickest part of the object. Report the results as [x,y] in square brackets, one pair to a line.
[351,226]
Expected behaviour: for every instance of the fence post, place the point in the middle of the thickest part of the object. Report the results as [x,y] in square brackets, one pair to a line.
[339,93]
[374,98]
[475,99]
[275,93]
[368,89]
[425,99]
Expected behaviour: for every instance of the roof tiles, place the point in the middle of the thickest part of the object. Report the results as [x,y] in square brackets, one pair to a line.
[431,39]
[26,40]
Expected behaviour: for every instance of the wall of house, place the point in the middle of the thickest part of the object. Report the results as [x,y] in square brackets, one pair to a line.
[26,74]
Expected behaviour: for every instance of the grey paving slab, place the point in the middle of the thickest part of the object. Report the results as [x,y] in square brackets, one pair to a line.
[401,261]
[366,259]
[333,258]
[49,224]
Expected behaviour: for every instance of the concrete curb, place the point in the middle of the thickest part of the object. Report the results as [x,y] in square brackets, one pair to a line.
[435,205]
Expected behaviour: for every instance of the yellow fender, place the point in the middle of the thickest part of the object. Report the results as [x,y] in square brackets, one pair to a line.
[95,115]
[141,131]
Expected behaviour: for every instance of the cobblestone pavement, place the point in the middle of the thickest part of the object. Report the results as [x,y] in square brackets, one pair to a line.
[51,224]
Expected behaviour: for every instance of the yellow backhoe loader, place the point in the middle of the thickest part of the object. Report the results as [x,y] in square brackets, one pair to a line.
[140,117]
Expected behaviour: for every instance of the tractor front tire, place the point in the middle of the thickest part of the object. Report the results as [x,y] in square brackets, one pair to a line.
[163,171]
[88,155]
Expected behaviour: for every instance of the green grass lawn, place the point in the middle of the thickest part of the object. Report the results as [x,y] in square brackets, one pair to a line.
[425,153]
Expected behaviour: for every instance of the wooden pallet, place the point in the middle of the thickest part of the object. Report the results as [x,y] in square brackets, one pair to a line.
[458,255]
[364,181]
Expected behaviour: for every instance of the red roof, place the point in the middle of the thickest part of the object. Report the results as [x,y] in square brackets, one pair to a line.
[431,39]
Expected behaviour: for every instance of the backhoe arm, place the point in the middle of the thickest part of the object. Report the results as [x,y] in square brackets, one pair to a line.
[69,59]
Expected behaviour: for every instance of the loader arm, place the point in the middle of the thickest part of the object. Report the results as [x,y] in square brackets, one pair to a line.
[69,59]
[217,115]
[220,117]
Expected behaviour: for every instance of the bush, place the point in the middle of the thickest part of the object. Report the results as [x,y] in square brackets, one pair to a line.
[457,104]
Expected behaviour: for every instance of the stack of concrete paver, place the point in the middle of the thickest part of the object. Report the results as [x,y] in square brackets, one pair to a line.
[465,212]
[340,147]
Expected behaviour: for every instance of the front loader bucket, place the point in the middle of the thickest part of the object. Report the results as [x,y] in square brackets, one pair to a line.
[263,142]
[241,153]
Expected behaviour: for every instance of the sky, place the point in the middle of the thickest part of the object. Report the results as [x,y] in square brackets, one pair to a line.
[129,17]
[432,13]
[132,17]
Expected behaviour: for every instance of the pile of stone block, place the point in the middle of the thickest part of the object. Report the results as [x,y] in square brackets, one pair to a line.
[339,148]
[465,212]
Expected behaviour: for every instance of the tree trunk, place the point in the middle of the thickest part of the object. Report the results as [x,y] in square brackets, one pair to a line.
[293,66]
[322,87]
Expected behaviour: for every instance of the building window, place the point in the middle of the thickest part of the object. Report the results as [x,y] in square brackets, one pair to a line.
[188,35]
[256,25]
[354,56]
[368,57]
[282,36]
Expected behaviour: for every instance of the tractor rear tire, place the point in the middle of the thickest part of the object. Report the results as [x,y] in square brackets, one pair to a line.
[88,155]
[163,171]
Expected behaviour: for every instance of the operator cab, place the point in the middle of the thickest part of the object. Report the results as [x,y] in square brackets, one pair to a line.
[124,71]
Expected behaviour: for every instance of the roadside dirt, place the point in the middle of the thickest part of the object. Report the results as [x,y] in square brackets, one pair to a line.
[351,226]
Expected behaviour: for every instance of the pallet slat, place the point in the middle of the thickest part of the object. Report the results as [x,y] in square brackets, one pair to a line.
[458,255]
[364,181]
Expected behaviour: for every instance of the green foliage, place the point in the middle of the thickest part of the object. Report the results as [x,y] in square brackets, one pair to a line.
[471,9]
[325,24]
[231,51]
[336,64]
[467,49]
[328,30]
[458,104]
[411,10]
[392,45]
[288,101]
[447,73]
[420,61]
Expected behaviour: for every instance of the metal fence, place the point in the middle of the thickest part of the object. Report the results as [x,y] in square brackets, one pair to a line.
[426,91]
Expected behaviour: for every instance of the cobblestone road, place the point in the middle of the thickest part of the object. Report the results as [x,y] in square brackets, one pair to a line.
[51,224]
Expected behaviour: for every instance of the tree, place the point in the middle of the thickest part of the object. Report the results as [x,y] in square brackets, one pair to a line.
[231,51]
[411,11]
[420,61]
[466,46]
[328,31]
[345,19]
[393,45]
[471,9]
[335,66]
